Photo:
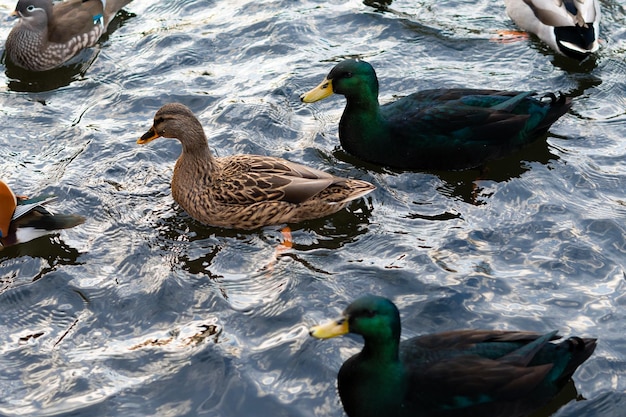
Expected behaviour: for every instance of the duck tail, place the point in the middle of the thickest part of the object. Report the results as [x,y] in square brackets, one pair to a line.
[358,189]
[26,205]
[579,349]
[49,222]
[558,104]
[111,7]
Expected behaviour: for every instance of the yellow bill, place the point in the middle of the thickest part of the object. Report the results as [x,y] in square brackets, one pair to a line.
[320,92]
[333,328]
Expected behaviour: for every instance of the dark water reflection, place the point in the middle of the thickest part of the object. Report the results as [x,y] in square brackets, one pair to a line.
[21,80]
[143,311]
[47,254]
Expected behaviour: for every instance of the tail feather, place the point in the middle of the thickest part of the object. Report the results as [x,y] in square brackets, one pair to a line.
[53,221]
[580,350]
[523,355]
[25,206]
[358,189]
[558,107]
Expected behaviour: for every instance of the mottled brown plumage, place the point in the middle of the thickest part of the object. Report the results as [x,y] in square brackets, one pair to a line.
[47,34]
[245,191]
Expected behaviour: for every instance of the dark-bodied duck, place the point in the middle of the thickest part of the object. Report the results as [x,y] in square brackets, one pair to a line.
[457,373]
[48,34]
[433,129]
[245,191]
[570,27]
[24,219]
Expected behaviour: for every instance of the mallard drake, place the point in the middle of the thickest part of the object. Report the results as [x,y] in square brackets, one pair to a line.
[47,35]
[433,129]
[570,27]
[245,191]
[456,373]
[23,219]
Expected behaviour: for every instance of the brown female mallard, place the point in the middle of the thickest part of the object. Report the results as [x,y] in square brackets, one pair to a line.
[245,191]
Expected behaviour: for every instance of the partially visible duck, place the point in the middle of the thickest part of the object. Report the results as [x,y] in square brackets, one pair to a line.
[434,129]
[245,191]
[570,27]
[460,373]
[23,219]
[48,34]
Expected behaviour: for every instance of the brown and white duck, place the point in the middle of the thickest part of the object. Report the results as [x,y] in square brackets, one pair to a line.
[245,191]
[48,34]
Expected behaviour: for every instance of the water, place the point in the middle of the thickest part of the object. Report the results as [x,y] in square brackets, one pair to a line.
[143,311]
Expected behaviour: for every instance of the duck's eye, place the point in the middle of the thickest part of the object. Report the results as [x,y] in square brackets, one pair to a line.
[348,75]
[30,8]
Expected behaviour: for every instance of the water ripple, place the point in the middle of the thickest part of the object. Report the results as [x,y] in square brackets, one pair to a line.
[143,311]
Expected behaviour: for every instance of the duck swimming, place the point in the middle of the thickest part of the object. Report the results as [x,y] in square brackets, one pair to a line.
[245,191]
[23,219]
[569,27]
[48,34]
[447,129]
[461,373]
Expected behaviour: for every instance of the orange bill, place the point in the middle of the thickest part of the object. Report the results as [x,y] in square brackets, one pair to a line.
[149,136]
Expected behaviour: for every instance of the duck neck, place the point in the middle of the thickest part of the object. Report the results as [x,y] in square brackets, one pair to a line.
[382,351]
[196,156]
[360,125]
[194,170]
[363,103]
[363,99]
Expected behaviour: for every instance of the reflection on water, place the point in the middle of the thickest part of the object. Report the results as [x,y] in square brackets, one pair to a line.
[143,311]
[243,266]
[22,80]
[50,252]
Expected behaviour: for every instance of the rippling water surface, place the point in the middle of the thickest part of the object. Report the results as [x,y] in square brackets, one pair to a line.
[143,311]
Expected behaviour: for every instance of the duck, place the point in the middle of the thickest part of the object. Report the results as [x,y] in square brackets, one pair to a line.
[245,191]
[438,129]
[23,219]
[455,373]
[569,27]
[48,34]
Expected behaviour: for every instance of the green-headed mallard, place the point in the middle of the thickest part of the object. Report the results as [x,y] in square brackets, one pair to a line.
[433,129]
[570,27]
[23,219]
[245,191]
[48,34]
[456,373]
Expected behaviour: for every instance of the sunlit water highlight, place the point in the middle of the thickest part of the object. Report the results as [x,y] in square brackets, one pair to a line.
[143,311]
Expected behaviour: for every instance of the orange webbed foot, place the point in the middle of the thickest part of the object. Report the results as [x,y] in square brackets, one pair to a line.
[509,36]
